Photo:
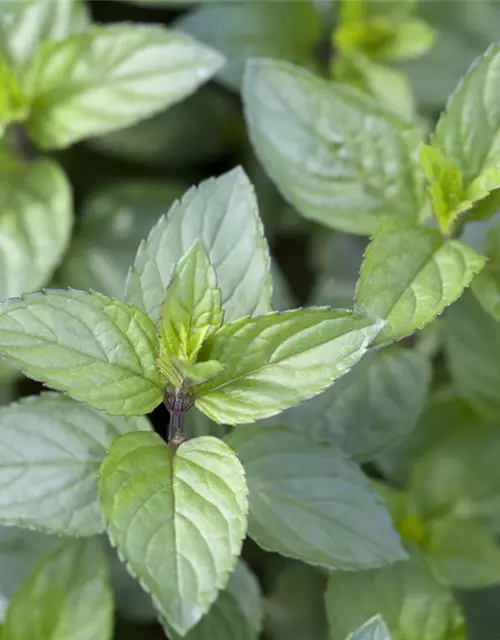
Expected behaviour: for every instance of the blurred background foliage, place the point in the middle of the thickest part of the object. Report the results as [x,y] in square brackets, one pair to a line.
[409,56]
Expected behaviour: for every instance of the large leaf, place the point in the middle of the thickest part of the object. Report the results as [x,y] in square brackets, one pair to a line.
[295,606]
[410,275]
[96,349]
[299,353]
[374,629]
[25,25]
[112,223]
[146,68]
[51,449]
[20,550]
[237,612]
[308,502]
[376,405]
[223,214]
[472,342]
[66,597]
[334,154]
[131,601]
[467,132]
[178,521]
[35,224]
[459,475]
[413,604]
[284,30]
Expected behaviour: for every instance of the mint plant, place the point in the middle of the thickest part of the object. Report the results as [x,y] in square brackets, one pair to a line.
[272,397]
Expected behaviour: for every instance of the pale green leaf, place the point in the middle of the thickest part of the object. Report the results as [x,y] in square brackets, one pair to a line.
[20,550]
[335,155]
[468,131]
[462,553]
[374,629]
[25,25]
[146,69]
[197,371]
[472,343]
[96,349]
[131,601]
[192,309]
[66,597]
[50,453]
[283,30]
[179,521]
[410,275]
[13,103]
[308,502]
[299,354]
[295,605]
[460,476]
[35,224]
[373,407]
[237,612]
[413,604]
[223,214]
[112,223]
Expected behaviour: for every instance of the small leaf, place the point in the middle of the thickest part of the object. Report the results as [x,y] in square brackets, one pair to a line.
[13,103]
[35,223]
[96,349]
[237,612]
[410,275]
[472,344]
[486,286]
[300,353]
[413,604]
[66,597]
[192,309]
[374,629]
[373,407]
[284,30]
[51,450]
[463,554]
[25,25]
[361,161]
[20,551]
[446,190]
[111,224]
[223,213]
[326,515]
[467,131]
[179,522]
[198,371]
[148,68]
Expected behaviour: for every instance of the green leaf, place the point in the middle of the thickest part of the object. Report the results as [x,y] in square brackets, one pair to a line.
[35,224]
[462,554]
[25,25]
[300,353]
[111,225]
[223,213]
[295,606]
[374,629]
[20,550]
[376,405]
[446,190]
[192,309]
[51,450]
[410,275]
[334,154]
[66,597]
[467,131]
[13,104]
[472,343]
[414,605]
[237,612]
[459,476]
[486,286]
[96,349]
[308,502]
[179,522]
[131,601]
[148,68]
[284,30]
